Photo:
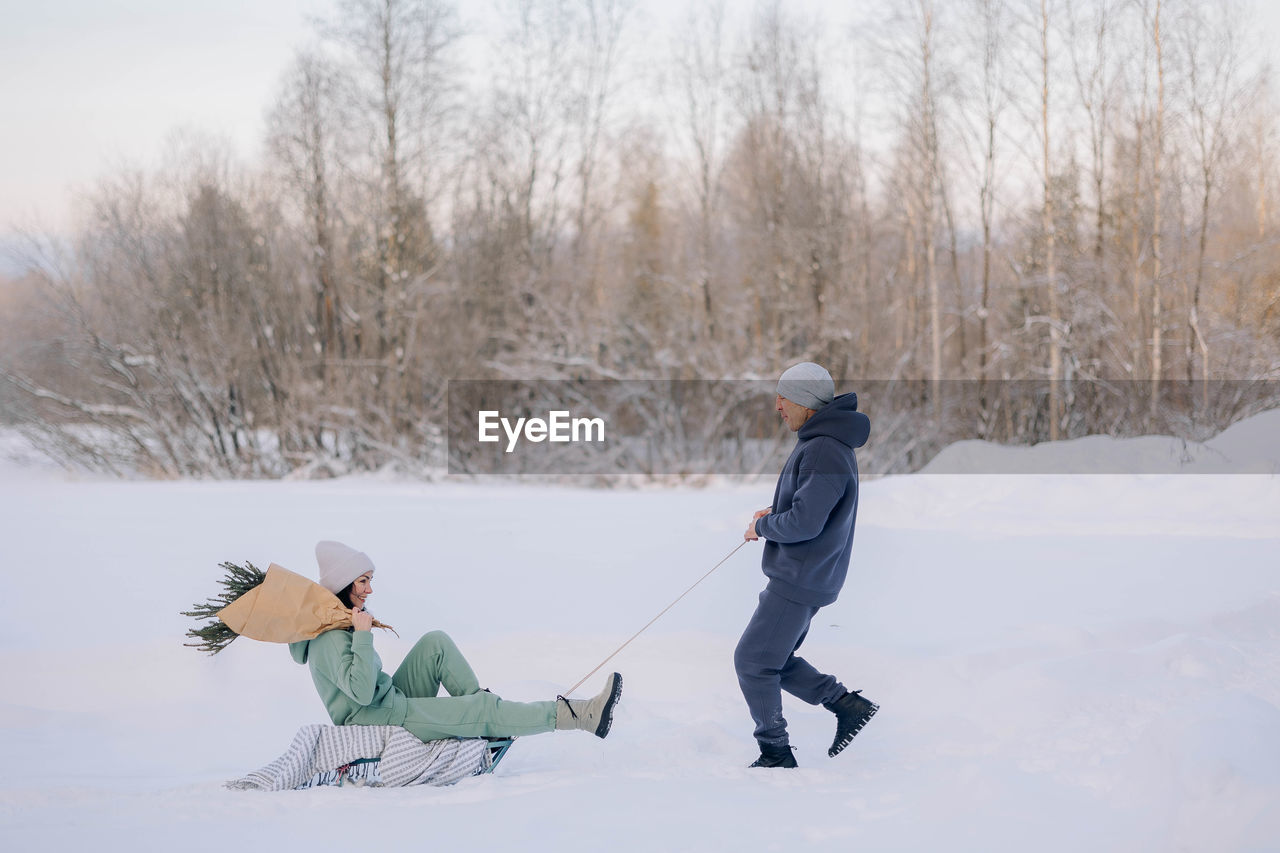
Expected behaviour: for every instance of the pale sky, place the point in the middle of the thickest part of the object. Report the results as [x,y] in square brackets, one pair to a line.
[86,85]
[89,85]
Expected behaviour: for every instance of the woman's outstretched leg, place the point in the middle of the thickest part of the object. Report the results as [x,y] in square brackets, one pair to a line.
[478,715]
[485,715]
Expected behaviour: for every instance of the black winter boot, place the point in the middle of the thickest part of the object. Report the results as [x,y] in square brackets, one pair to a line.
[774,756]
[852,713]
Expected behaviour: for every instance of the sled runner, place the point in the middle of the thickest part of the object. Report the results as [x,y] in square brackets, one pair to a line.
[498,747]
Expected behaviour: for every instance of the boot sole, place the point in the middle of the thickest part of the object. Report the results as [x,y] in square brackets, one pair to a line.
[839,746]
[606,713]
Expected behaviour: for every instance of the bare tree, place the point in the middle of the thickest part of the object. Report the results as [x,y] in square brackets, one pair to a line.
[927,139]
[1208,41]
[911,67]
[702,65]
[1089,43]
[306,138]
[1135,197]
[600,30]
[776,157]
[403,80]
[988,61]
[1157,164]
[1048,226]
[185,347]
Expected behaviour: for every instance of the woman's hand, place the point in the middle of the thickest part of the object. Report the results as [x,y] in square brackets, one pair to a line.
[361,621]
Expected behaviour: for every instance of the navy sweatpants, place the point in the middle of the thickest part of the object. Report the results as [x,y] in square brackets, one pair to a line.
[766,662]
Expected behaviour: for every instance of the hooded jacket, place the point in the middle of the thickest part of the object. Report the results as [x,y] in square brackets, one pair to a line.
[348,676]
[809,530]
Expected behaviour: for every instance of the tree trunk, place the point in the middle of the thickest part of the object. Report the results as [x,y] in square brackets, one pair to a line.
[1048,227]
[1157,318]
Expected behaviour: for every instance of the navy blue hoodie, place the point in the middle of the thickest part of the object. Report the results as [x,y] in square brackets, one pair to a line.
[809,532]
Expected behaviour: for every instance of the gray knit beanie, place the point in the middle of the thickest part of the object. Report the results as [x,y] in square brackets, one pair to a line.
[340,565]
[807,384]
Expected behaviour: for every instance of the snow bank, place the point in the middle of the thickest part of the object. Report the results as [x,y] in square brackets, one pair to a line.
[1251,446]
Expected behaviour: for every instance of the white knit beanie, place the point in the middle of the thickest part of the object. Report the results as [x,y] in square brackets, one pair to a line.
[340,565]
[808,384]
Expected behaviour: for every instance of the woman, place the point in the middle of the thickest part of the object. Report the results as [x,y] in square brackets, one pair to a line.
[348,675]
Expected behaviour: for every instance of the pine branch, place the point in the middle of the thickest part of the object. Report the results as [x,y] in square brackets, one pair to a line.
[214,636]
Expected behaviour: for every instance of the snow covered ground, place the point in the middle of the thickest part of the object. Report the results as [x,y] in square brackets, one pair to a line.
[1062,663]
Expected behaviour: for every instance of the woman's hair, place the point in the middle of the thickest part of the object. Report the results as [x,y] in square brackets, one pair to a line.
[344,595]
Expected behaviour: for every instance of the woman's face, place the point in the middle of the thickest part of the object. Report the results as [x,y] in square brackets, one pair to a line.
[361,588]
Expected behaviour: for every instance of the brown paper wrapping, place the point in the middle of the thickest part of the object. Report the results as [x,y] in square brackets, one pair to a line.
[285,608]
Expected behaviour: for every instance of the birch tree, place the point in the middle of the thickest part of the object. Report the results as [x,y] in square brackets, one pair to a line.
[988,59]
[403,82]
[1157,210]
[307,139]
[702,66]
[1208,40]
[1048,227]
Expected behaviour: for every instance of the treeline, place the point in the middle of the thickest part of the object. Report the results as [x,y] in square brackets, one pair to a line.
[1077,194]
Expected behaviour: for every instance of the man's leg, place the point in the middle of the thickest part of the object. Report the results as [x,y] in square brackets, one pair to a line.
[765,650]
[802,680]
[434,661]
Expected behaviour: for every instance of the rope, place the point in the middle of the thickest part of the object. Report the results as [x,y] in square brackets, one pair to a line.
[571,690]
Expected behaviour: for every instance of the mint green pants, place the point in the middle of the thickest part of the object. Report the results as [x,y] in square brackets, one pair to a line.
[467,711]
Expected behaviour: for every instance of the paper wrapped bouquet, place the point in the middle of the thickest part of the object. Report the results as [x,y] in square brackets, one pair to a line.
[276,606]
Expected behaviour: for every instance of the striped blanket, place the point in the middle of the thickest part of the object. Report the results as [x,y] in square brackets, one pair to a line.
[387,756]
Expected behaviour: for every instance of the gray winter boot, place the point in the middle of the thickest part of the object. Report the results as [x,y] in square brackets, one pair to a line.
[591,715]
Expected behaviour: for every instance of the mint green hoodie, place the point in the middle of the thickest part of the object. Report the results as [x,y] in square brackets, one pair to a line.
[348,676]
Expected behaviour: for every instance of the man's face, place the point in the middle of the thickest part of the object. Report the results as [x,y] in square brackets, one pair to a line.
[793,414]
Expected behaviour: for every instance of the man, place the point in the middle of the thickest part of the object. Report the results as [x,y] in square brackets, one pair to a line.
[809,536]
